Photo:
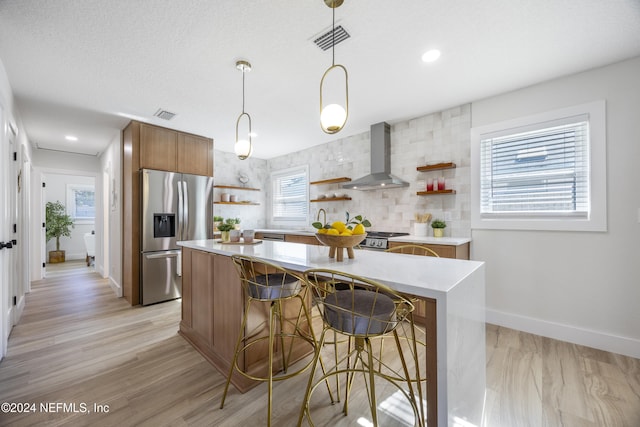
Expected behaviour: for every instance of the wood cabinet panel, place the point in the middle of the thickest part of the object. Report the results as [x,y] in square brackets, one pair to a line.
[228,303]
[195,155]
[158,148]
[300,238]
[213,303]
[202,295]
[444,251]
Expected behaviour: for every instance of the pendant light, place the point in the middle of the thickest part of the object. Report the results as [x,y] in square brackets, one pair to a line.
[243,147]
[334,116]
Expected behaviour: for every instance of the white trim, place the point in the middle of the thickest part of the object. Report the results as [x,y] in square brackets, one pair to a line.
[589,338]
[597,220]
[115,286]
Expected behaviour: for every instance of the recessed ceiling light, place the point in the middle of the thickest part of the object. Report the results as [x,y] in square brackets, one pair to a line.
[71,138]
[431,55]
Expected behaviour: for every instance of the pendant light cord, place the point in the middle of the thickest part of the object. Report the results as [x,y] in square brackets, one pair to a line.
[333,37]
[243,71]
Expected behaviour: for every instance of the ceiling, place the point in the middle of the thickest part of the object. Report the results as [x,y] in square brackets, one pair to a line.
[87,67]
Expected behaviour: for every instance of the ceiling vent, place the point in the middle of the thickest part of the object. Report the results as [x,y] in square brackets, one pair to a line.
[164,114]
[326,41]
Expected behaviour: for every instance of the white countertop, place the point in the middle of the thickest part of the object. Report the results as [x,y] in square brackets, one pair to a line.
[428,277]
[453,241]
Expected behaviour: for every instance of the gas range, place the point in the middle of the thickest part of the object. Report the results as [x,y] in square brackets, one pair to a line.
[379,240]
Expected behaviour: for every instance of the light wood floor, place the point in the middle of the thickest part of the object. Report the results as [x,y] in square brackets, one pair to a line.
[78,344]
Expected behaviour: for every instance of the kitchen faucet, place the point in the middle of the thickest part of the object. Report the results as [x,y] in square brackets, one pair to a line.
[325,216]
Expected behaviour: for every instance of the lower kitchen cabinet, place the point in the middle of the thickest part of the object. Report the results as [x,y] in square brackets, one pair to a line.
[212,308]
[301,238]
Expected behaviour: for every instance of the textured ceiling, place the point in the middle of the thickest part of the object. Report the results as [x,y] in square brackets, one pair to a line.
[86,67]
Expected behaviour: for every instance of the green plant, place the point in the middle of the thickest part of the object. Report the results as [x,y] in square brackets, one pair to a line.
[58,222]
[236,221]
[227,225]
[217,219]
[438,223]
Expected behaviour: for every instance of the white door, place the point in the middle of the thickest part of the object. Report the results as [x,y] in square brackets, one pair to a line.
[4,236]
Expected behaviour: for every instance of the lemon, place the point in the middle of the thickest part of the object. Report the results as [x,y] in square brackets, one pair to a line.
[359,229]
[322,231]
[346,233]
[339,225]
[333,232]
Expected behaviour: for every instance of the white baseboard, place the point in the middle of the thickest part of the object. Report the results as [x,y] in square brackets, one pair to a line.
[115,286]
[611,343]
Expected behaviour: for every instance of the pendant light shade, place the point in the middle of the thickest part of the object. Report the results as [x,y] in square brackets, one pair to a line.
[333,117]
[243,147]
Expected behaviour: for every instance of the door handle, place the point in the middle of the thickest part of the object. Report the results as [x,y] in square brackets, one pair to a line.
[168,254]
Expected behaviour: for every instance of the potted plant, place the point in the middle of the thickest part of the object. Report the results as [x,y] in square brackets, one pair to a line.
[438,226]
[225,228]
[236,223]
[58,224]
[217,220]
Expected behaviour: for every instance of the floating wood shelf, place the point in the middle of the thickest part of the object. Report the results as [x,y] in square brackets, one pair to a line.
[429,193]
[435,167]
[234,187]
[330,199]
[236,203]
[331,181]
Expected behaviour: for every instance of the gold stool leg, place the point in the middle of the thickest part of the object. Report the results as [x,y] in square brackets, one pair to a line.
[304,410]
[272,313]
[372,387]
[235,353]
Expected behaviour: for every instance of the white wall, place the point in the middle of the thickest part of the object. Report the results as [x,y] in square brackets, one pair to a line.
[109,253]
[56,190]
[226,168]
[582,287]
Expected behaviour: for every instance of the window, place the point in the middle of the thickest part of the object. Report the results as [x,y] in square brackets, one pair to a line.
[290,200]
[81,202]
[540,172]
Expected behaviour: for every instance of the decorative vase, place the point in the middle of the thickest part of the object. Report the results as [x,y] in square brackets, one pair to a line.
[224,236]
[438,232]
[420,229]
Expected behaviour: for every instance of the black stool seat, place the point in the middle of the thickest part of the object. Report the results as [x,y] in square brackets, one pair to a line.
[360,312]
[273,286]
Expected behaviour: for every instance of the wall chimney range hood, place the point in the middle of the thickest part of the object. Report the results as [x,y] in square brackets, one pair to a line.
[380,177]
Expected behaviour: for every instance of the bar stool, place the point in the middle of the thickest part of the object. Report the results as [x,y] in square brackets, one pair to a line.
[362,310]
[264,281]
[411,333]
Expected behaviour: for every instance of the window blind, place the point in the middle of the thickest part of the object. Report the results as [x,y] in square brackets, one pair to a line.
[538,171]
[290,196]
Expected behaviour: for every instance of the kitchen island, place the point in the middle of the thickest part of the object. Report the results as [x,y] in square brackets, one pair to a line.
[453,290]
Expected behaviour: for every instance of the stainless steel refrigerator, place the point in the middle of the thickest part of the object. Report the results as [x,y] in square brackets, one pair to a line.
[174,207]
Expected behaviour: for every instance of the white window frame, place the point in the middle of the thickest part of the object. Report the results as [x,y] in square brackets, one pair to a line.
[289,222]
[596,219]
[71,202]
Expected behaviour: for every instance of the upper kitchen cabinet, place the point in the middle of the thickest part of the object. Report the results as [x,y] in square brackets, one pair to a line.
[169,150]
[195,154]
[158,148]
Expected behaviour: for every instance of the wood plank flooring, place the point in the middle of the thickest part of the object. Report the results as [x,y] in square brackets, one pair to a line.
[78,344]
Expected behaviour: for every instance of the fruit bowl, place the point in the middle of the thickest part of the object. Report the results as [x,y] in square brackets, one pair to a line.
[338,243]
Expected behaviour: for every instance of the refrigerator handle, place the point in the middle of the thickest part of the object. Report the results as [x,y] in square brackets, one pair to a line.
[185,212]
[180,212]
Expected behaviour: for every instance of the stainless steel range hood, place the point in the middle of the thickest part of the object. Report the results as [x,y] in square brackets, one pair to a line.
[380,177]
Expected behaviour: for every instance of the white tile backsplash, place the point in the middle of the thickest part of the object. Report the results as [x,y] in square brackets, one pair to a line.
[442,136]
